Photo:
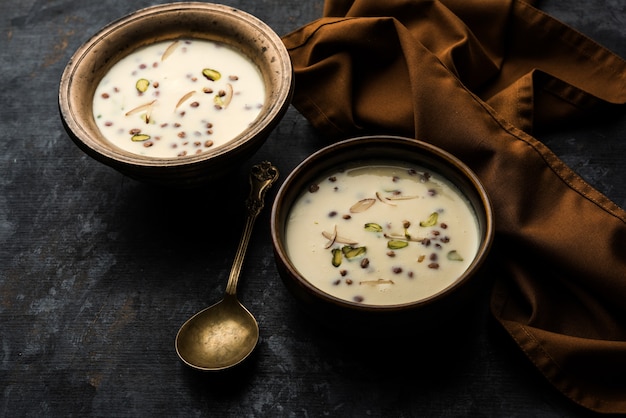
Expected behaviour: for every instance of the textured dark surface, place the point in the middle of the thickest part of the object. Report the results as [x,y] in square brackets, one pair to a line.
[97,272]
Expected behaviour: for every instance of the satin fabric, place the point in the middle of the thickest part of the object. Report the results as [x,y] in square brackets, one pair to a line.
[478,79]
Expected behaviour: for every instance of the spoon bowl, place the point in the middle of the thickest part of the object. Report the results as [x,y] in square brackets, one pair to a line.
[218,337]
[225,334]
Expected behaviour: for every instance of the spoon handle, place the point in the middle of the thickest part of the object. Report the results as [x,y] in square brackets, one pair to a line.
[262,176]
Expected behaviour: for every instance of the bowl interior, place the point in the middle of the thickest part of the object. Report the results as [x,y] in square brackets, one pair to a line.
[376,149]
[203,21]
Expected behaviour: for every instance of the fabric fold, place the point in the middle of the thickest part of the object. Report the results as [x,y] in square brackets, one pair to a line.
[478,79]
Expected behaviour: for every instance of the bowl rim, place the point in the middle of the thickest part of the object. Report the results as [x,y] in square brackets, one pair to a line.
[305,167]
[112,154]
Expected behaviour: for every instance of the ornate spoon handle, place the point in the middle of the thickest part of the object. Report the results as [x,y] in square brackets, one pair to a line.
[262,176]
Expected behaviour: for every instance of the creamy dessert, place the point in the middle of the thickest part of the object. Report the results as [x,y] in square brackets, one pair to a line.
[382,234]
[177,98]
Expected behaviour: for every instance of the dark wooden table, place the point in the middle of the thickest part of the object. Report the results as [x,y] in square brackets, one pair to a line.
[97,271]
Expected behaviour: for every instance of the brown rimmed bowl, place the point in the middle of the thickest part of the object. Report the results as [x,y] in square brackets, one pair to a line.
[205,21]
[343,315]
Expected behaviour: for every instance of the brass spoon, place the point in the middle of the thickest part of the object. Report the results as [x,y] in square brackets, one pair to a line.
[225,334]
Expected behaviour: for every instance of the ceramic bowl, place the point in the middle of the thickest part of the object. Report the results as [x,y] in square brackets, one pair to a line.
[374,319]
[239,30]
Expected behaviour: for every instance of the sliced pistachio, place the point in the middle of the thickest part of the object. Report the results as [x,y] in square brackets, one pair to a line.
[431,221]
[185,97]
[142,85]
[396,244]
[337,257]
[211,74]
[454,256]
[169,50]
[373,227]
[362,205]
[140,137]
[352,252]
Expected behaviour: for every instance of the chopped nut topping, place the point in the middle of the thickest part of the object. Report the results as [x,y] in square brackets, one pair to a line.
[142,85]
[336,238]
[211,74]
[140,137]
[454,256]
[396,244]
[185,97]
[140,108]
[431,221]
[169,50]
[362,205]
[373,227]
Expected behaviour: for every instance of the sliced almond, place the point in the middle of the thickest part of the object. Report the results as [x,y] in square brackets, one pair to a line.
[333,238]
[171,48]
[362,205]
[146,106]
[403,237]
[384,200]
[376,282]
[400,197]
[185,97]
[229,94]
[223,97]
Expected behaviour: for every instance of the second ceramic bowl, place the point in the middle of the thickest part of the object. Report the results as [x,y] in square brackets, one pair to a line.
[343,263]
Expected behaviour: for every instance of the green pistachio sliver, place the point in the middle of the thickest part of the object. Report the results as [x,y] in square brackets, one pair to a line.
[337,257]
[142,85]
[396,244]
[373,227]
[211,74]
[431,221]
[140,137]
[454,256]
[352,252]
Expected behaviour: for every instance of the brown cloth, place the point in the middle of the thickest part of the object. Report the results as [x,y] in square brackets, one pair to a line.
[477,78]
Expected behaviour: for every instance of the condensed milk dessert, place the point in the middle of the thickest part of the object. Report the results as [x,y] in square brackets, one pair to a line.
[177,98]
[382,233]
